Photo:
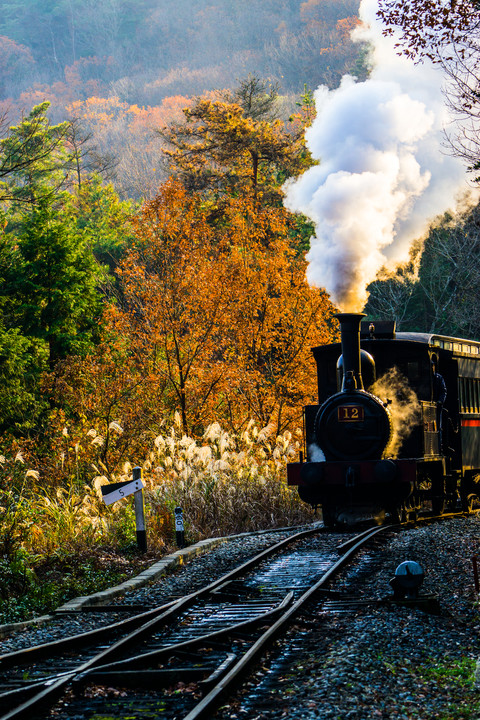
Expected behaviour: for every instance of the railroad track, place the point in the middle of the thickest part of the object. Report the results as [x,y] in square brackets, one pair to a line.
[181,659]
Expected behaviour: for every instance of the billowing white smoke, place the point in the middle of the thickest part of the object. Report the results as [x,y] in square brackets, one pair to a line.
[382,175]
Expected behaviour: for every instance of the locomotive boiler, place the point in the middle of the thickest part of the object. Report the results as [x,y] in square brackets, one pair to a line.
[353,463]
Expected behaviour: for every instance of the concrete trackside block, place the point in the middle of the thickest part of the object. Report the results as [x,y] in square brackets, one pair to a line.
[152,573]
[16,627]
[105,596]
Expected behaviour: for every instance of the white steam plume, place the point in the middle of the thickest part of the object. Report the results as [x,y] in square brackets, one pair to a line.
[382,175]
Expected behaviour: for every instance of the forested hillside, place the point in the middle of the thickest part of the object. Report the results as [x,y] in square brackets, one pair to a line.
[144,50]
[121,68]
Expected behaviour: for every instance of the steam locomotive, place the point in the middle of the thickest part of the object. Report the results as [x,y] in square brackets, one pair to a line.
[361,457]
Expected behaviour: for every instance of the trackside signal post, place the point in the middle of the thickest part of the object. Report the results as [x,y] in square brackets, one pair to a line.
[140,511]
[179,528]
[116,491]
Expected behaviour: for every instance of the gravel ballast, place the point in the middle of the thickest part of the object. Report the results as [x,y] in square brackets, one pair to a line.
[385,661]
[175,575]
[375,661]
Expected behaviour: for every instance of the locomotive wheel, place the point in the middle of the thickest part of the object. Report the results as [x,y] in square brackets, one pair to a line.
[407,513]
[410,514]
[438,495]
[414,507]
[471,502]
[396,515]
[438,505]
[403,514]
[469,494]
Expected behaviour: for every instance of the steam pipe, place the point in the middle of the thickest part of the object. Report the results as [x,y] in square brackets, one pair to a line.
[350,334]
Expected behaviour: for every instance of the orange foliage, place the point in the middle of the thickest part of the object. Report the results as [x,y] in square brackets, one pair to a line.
[219,323]
[345,27]
[219,147]
[176,289]
[150,118]
[275,318]
[100,111]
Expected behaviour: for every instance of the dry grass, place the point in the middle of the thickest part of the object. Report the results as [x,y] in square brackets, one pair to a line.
[224,483]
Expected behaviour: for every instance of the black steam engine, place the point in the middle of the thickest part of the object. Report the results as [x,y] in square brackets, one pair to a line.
[352,466]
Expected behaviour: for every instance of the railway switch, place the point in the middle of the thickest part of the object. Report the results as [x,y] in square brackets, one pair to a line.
[408,579]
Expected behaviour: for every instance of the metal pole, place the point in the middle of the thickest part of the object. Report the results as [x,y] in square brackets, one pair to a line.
[179,529]
[140,513]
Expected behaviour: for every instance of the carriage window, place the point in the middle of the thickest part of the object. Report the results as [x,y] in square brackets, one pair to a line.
[461,394]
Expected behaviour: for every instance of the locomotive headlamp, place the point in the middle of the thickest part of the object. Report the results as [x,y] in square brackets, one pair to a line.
[408,578]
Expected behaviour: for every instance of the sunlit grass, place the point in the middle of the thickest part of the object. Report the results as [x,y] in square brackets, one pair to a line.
[225,483]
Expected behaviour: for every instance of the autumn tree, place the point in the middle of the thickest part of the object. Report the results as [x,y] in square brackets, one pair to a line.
[219,320]
[227,146]
[274,319]
[175,288]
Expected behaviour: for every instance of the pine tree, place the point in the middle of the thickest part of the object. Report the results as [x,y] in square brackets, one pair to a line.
[53,287]
[33,158]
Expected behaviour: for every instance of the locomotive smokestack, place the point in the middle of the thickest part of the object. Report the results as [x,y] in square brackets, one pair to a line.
[350,334]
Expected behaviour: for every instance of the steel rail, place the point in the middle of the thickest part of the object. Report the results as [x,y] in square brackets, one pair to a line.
[215,636]
[56,647]
[211,701]
[354,540]
[155,655]
[51,691]
[144,619]
[9,698]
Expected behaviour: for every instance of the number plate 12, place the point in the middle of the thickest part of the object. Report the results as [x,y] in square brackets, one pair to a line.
[350,413]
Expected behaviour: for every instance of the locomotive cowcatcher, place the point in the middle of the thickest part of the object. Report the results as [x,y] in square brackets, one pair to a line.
[348,467]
